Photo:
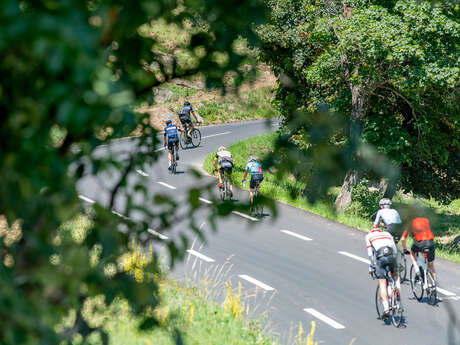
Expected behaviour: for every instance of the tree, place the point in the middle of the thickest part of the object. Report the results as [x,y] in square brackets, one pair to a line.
[390,66]
[71,73]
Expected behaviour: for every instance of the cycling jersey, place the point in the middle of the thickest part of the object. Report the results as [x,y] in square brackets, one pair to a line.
[224,159]
[376,240]
[388,216]
[420,227]
[184,112]
[171,132]
[254,168]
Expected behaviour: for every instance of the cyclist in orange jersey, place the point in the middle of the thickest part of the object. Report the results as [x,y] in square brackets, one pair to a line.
[420,229]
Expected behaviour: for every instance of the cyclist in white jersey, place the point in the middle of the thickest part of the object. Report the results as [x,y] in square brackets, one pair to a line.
[390,217]
[381,250]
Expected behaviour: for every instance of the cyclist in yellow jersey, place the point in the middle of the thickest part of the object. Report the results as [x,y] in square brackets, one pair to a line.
[223,161]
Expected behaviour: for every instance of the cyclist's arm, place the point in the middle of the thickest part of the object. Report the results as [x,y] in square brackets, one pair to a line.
[194,115]
[403,240]
[164,138]
[377,218]
[214,162]
[245,174]
[370,251]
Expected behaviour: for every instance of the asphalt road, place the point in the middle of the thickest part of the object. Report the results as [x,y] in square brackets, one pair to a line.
[297,267]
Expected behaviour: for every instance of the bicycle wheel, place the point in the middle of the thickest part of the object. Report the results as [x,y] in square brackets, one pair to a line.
[195,136]
[227,188]
[416,283]
[378,304]
[183,141]
[402,265]
[396,308]
[432,292]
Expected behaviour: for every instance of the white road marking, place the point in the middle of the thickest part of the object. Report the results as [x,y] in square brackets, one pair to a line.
[356,257]
[119,214]
[206,201]
[160,149]
[245,216]
[142,173]
[166,185]
[256,282]
[161,236]
[305,238]
[445,292]
[201,256]
[84,198]
[215,135]
[324,318]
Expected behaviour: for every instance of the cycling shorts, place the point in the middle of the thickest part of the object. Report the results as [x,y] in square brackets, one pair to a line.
[172,142]
[185,120]
[396,230]
[418,246]
[255,178]
[383,264]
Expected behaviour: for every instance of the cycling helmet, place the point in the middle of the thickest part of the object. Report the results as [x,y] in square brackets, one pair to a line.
[384,202]
[168,122]
[186,103]
[221,148]
[252,159]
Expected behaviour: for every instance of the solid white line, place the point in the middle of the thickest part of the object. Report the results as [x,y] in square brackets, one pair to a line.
[84,198]
[206,201]
[161,236]
[142,173]
[445,292]
[305,238]
[215,135]
[119,214]
[356,257]
[245,216]
[166,185]
[201,256]
[256,282]
[324,318]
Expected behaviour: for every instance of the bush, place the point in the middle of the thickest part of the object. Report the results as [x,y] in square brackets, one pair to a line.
[364,202]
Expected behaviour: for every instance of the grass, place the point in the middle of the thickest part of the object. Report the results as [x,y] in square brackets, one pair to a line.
[445,219]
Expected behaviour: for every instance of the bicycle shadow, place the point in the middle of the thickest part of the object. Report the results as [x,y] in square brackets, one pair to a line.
[426,300]
[388,322]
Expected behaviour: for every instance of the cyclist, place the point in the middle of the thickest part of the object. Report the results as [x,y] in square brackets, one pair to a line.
[184,117]
[420,228]
[257,175]
[381,249]
[390,217]
[223,161]
[170,138]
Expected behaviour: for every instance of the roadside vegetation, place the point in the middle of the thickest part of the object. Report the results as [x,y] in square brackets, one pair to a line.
[445,218]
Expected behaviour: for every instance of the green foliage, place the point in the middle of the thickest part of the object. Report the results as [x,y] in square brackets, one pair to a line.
[364,200]
[71,72]
[390,66]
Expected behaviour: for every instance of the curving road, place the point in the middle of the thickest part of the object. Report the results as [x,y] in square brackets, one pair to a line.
[299,266]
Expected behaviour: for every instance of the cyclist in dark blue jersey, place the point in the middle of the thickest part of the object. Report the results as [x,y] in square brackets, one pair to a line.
[170,138]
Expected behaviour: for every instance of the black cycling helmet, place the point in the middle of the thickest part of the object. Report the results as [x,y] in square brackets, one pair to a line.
[186,103]
[168,122]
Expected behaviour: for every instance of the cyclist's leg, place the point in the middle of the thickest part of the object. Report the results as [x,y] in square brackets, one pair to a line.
[431,255]
[219,174]
[252,185]
[169,154]
[413,251]
[177,150]
[229,176]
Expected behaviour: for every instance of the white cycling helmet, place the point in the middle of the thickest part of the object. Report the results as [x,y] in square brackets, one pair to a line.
[252,159]
[385,202]
[221,148]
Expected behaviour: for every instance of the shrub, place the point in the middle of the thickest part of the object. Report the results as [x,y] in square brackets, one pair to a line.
[364,201]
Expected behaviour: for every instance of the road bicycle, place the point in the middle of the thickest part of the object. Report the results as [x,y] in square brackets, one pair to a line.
[173,167]
[257,209]
[424,281]
[225,192]
[188,137]
[394,299]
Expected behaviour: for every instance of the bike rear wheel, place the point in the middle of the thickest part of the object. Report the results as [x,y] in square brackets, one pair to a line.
[396,308]
[402,265]
[416,283]
[195,137]
[432,292]
[183,140]
[173,161]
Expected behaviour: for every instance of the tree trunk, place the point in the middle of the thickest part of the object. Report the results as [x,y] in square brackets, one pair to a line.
[359,102]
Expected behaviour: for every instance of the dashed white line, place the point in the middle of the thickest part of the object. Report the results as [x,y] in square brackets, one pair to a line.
[166,185]
[215,135]
[201,256]
[356,257]
[245,216]
[160,149]
[324,318]
[445,292]
[142,173]
[119,214]
[84,198]
[256,282]
[156,233]
[206,201]
[305,238]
